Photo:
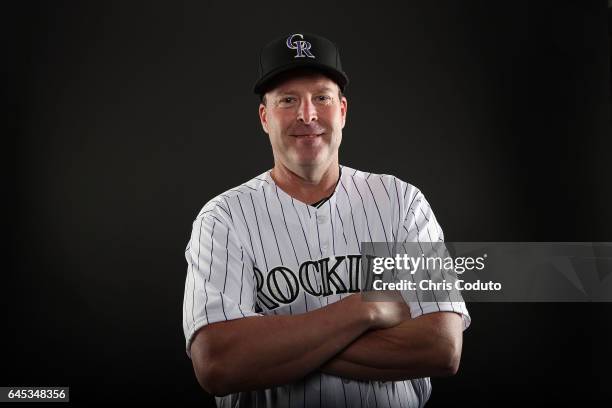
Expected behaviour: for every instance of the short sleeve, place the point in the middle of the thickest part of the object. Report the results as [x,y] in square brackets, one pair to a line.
[220,283]
[421,226]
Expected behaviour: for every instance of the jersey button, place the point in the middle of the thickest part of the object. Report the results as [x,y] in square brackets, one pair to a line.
[321,219]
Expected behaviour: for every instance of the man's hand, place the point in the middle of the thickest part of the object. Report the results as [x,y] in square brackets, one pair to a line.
[387,308]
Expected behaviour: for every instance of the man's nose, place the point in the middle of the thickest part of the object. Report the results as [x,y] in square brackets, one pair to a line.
[307,111]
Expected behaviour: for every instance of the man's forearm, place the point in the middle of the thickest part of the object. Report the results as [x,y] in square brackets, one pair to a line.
[260,352]
[353,371]
[429,345]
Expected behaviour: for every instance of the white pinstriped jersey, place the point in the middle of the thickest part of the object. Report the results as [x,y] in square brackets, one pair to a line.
[255,250]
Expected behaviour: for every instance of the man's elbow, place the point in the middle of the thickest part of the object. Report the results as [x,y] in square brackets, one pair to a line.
[211,370]
[450,357]
[450,366]
[212,377]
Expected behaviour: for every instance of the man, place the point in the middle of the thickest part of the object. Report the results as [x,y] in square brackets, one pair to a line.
[272,314]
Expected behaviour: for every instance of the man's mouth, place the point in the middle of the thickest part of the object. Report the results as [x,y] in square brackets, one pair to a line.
[311,135]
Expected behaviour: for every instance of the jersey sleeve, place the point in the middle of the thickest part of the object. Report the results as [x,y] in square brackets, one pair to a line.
[421,226]
[220,283]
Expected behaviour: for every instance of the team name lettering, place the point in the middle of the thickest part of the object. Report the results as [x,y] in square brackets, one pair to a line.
[282,286]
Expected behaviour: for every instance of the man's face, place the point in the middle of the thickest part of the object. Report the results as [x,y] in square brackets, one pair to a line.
[304,117]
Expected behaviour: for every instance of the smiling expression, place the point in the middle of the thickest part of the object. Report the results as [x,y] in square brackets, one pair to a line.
[304,116]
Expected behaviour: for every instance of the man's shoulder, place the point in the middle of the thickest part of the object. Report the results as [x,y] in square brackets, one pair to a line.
[392,184]
[219,206]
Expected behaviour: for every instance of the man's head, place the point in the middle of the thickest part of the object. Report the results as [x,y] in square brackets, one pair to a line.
[302,108]
[304,115]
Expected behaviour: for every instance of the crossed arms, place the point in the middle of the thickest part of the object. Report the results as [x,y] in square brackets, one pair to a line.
[350,338]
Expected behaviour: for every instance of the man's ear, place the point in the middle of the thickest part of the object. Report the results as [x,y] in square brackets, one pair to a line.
[343,109]
[263,117]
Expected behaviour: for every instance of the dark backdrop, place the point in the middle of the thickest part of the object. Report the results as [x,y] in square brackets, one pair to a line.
[126,117]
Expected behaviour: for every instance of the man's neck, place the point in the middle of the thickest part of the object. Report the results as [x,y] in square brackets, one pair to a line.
[307,188]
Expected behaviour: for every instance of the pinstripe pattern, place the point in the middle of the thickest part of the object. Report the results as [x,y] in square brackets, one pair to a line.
[247,256]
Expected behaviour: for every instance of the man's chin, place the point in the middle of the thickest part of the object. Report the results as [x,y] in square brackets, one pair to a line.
[309,155]
[312,162]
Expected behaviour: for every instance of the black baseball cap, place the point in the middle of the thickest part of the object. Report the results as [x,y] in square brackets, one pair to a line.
[299,51]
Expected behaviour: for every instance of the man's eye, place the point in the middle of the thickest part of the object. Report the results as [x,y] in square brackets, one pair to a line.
[287,99]
[324,98]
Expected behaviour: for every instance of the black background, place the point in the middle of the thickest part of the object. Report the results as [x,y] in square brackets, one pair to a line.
[126,117]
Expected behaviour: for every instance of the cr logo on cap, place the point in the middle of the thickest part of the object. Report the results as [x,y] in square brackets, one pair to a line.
[302,46]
